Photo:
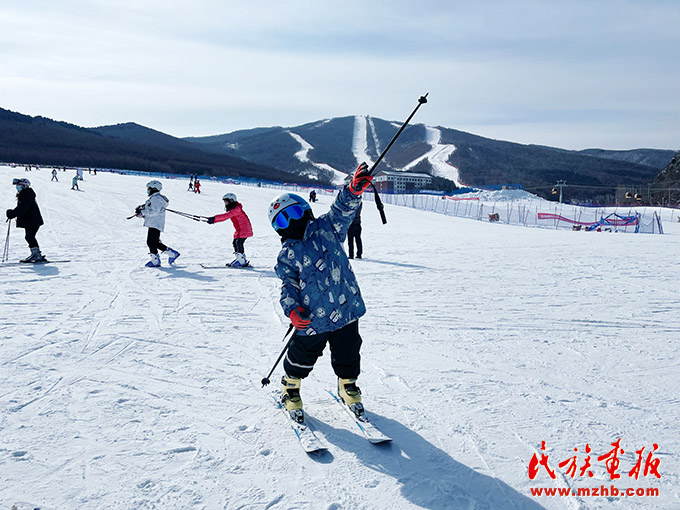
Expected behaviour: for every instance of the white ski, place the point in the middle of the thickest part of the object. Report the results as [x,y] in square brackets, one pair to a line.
[309,441]
[206,266]
[367,428]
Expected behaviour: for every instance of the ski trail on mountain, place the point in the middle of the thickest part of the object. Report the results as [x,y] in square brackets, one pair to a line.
[303,155]
[360,141]
[438,157]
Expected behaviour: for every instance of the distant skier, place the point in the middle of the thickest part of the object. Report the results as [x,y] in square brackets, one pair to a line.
[28,217]
[242,226]
[319,292]
[153,212]
[191,183]
[197,186]
[74,183]
[354,235]
[54,175]
[312,196]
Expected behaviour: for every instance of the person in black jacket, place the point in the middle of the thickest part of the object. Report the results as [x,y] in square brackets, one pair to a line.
[28,217]
[354,234]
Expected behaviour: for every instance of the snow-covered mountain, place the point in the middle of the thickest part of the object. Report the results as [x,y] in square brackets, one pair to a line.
[329,149]
[325,151]
[485,346]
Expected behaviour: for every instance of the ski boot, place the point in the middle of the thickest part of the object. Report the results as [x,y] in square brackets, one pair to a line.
[350,394]
[172,255]
[35,256]
[290,397]
[239,261]
[155,260]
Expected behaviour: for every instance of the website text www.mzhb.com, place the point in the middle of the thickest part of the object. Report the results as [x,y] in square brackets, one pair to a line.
[610,491]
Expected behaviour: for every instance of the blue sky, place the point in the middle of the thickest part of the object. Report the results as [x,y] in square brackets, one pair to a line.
[572,74]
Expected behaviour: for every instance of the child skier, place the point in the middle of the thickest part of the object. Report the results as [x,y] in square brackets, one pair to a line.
[319,292]
[28,217]
[242,226]
[153,212]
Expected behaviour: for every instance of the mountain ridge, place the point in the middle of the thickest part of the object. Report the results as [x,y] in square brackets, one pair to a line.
[326,150]
[127,146]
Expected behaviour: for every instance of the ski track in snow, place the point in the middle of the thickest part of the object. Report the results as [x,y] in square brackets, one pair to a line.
[129,387]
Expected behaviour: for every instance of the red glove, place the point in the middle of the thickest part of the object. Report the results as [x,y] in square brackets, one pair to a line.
[362,178]
[297,317]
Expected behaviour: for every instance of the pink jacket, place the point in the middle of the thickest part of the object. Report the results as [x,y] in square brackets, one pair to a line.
[240,220]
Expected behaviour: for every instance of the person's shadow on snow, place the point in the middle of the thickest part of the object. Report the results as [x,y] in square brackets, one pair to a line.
[429,477]
[175,272]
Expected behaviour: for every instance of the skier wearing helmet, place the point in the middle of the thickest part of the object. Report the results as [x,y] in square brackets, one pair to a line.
[28,217]
[319,292]
[153,212]
[242,228]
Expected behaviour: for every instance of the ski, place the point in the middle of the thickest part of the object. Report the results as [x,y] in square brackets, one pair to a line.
[309,441]
[367,428]
[205,266]
[21,263]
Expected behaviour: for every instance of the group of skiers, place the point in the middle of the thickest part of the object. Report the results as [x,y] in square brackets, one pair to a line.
[78,176]
[319,292]
[153,212]
[194,184]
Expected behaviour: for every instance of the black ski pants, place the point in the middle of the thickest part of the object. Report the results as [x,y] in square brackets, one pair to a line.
[153,241]
[344,344]
[238,244]
[354,235]
[30,237]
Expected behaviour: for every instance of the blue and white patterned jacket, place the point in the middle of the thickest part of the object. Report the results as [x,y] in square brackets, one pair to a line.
[316,273]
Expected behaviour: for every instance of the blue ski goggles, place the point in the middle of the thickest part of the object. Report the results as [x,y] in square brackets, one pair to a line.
[284,217]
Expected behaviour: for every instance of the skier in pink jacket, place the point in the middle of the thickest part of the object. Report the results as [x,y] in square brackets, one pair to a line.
[242,226]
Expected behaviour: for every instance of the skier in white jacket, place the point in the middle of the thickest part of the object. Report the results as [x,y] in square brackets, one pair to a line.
[153,212]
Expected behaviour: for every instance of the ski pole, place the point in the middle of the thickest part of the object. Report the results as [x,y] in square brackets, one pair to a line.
[378,203]
[421,101]
[5,252]
[194,217]
[265,381]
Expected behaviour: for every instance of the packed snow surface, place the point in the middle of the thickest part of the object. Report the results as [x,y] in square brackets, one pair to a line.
[126,387]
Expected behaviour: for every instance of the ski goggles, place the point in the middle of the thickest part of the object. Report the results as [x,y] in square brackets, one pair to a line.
[285,216]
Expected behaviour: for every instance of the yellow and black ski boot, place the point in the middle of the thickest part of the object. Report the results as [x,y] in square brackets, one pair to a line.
[350,394]
[290,397]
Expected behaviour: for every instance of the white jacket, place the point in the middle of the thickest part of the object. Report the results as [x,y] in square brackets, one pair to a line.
[154,211]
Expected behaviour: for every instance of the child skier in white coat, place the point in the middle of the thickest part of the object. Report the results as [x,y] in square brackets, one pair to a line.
[153,212]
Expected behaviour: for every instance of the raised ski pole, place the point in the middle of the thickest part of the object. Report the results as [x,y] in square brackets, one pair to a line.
[265,381]
[421,101]
[378,203]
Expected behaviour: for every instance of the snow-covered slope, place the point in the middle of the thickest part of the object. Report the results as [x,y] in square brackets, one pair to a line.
[360,140]
[438,157]
[125,387]
[302,155]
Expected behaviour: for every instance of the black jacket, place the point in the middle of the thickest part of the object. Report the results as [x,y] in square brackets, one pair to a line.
[356,222]
[26,212]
